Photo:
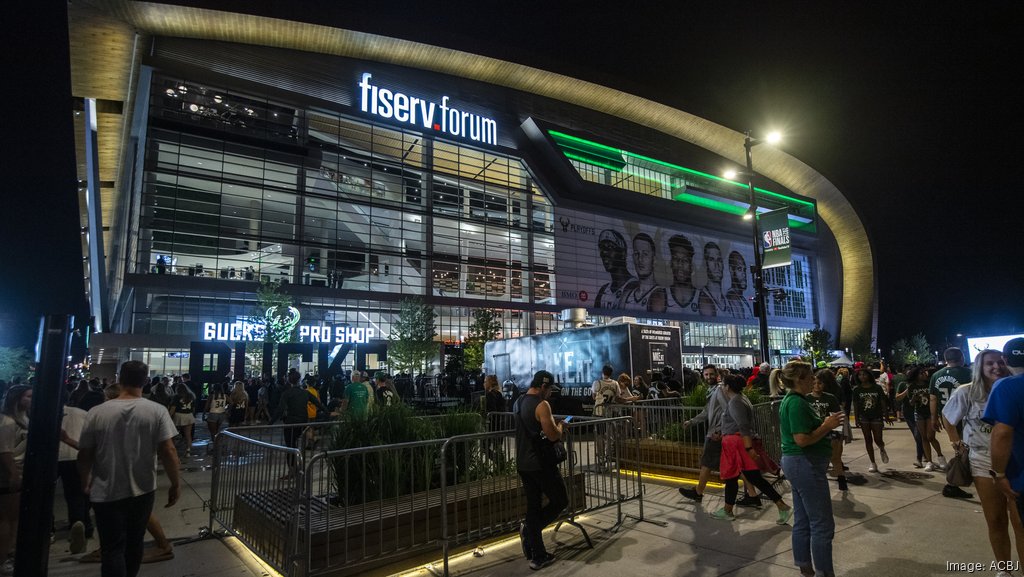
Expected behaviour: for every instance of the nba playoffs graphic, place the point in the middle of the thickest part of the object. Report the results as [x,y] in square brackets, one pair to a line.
[642,270]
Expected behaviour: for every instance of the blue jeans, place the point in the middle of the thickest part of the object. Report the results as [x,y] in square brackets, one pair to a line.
[813,524]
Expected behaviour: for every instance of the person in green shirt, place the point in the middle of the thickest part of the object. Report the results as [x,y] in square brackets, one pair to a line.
[806,451]
[870,406]
[357,400]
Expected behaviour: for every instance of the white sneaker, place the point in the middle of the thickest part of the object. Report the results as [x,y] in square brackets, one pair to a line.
[873,468]
[885,456]
[942,462]
[929,466]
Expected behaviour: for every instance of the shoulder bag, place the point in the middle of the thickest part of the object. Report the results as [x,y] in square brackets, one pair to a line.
[549,453]
[958,470]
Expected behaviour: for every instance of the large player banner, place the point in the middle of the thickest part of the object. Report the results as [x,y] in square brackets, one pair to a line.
[777,248]
[612,266]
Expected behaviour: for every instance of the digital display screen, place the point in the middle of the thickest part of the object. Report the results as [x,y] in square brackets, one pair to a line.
[978,344]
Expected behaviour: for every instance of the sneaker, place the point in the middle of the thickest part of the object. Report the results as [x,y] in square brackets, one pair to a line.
[542,562]
[691,494]
[942,462]
[723,515]
[885,456]
[929,467]
[955,493]
[748,501]
[1004,574]
[917,464]
[77,537]
[784,515]
[522,540]
[873,468]
[843,485]
[7,567]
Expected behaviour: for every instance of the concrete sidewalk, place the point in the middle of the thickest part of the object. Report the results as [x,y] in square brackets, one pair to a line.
[896,523]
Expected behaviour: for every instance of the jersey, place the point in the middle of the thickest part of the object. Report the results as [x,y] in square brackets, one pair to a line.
[605,391]
[945,381]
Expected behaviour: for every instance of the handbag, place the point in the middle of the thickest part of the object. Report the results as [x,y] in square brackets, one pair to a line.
[549,453]
[958,470]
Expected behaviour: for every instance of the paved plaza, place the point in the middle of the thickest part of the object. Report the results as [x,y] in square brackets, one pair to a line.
[896,523]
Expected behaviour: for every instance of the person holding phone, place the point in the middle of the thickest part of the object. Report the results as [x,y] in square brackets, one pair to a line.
[806,451]
[533,419]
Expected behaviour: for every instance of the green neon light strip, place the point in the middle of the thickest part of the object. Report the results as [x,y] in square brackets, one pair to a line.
[561,136]
[731,208]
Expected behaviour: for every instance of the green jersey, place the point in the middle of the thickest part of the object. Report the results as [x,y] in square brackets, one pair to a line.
[945,381]
[797,416]
[358,399]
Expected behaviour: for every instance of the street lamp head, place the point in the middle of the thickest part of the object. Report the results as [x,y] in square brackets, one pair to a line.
[730,174]
[773,137]
[749,214]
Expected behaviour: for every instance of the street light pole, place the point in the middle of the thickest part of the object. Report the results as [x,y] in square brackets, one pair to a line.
[756,270]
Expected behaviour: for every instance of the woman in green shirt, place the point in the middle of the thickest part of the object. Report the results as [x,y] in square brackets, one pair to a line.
[824,403]
[806,451]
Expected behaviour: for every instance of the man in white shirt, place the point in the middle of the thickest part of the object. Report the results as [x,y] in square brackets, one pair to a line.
[117,454]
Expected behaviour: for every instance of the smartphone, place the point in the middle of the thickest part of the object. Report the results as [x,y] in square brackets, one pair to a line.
[567,419]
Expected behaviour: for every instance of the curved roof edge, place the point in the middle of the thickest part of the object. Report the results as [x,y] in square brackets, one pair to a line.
[834,209]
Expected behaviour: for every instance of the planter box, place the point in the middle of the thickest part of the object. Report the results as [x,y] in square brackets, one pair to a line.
[662,457]
[349,540]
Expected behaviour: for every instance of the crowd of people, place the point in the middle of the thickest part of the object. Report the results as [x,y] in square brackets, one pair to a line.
[818,408]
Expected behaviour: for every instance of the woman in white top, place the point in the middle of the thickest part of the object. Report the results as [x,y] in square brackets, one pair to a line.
[13,443]
[967,405]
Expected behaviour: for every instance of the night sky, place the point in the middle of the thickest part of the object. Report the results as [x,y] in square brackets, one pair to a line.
[910,110]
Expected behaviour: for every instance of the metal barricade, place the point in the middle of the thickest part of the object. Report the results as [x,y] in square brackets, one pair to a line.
[370,506]
[766,428]
[255,495]
[349,510]
[659,442]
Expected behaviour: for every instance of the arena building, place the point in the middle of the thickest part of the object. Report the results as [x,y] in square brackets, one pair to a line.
[218,150]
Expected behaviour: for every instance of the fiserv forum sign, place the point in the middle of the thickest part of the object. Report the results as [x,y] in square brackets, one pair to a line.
[423,113]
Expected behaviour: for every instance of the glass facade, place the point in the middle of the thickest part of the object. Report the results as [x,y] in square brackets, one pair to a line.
[238,187]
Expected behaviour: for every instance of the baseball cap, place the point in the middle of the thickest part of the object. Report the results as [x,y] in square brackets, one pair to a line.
[764,367]
[380,376]
[541,378]
[1013,352]
[613,237]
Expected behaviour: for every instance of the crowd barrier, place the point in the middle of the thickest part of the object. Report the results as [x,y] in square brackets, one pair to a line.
[309,511]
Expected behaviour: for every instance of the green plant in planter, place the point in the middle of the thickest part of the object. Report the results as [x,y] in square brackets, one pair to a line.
[698,397]
[755,396]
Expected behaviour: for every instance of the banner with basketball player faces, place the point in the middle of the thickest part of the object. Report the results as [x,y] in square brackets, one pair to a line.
[616,267]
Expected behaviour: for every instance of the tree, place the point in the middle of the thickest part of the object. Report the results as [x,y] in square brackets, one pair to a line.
[15,362]
[411,343]
[818,343]
[901,353]
[485,327]
[921,350]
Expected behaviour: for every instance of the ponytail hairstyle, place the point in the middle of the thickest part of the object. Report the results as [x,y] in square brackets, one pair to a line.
[786,377]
